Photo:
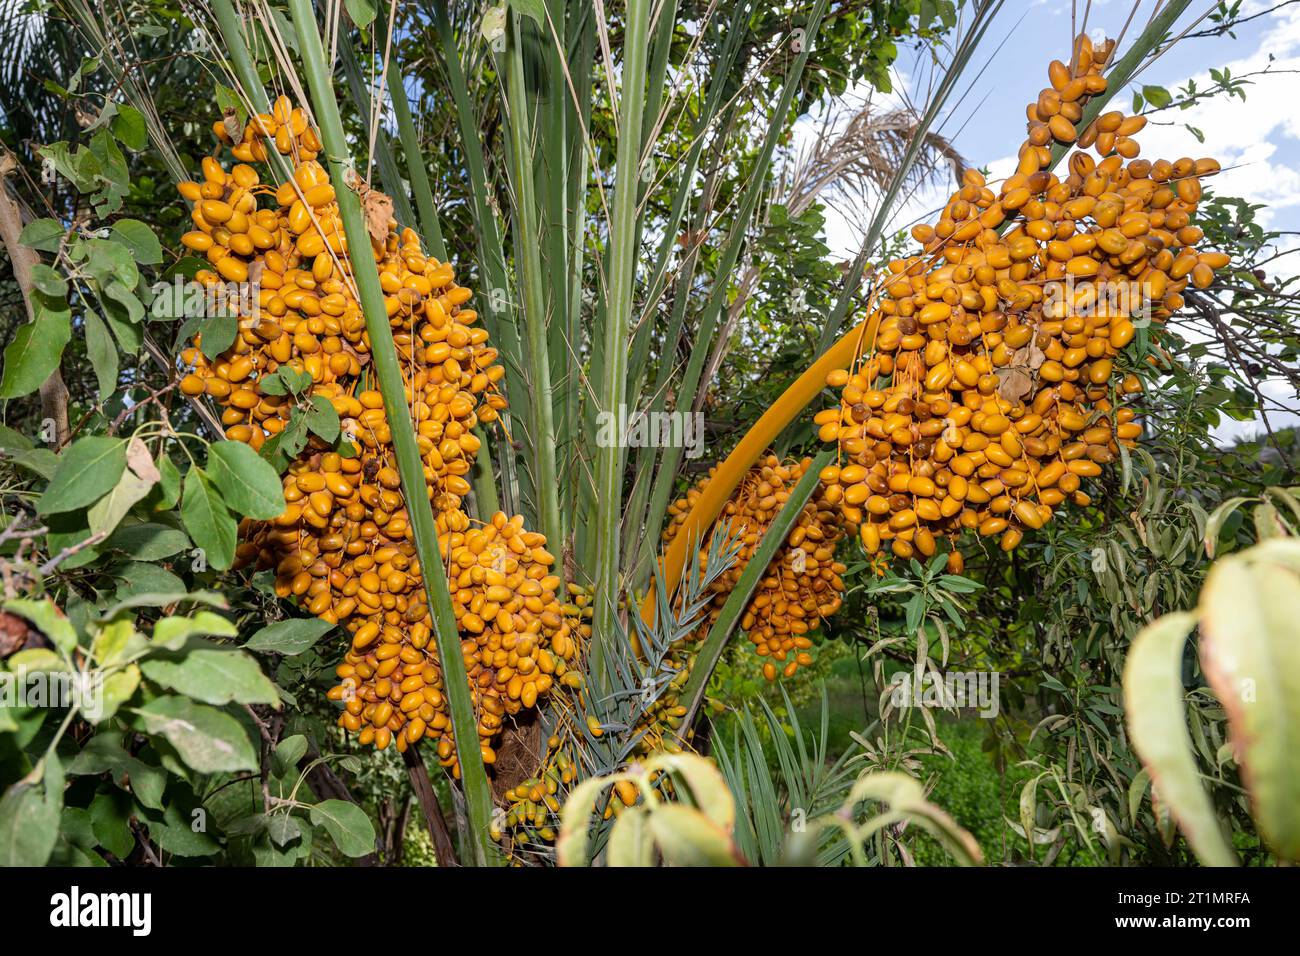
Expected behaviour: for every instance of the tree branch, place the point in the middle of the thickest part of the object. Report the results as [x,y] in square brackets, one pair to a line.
[423,787]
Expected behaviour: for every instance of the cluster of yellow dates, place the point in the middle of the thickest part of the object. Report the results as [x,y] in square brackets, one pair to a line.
[802,584]
[343,547]
[989,392]
[992,391]
[533,805]
[285,129]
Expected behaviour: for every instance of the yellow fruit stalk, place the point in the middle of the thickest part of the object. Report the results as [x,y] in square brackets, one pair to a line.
[729,474]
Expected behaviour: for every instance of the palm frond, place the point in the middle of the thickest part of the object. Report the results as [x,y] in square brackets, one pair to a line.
[804,785]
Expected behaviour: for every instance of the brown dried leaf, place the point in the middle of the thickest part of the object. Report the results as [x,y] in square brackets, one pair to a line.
[375,205]
[1014,383]
[378,208]
[1017,379]
[140,461]
[230,120]
[13,633]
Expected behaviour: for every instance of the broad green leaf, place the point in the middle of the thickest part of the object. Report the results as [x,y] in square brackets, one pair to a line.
[630,842]
[285,380]
[139,239]
[1157,96]
[70,530]
[106,513]
[35,352]
[218,333]
[212,675]
[147,541]
[110,261]
[104,754]
[118,688]
[687,837]
[142,577]
[102,353]
[228,99]
[129,335]
[210,524]
[88,470]
[1153,702]
[49,281]
[322,419]
[110,821]
[267,854]
[36,660]
[207,739]
[290,637]
[172,632]
[169,485]
[112,642]
[176,830]
[348,826]
[12,441]
[29,818]
[43,235]
[39,461]
[128,126]
[287,753]
[145,599]
[122,295]
[1250,650]
[280,449]
[362,12]
[248,483]
[283,828]
[80,167]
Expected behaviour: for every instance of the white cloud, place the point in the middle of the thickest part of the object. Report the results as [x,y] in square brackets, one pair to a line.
[1245,137]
